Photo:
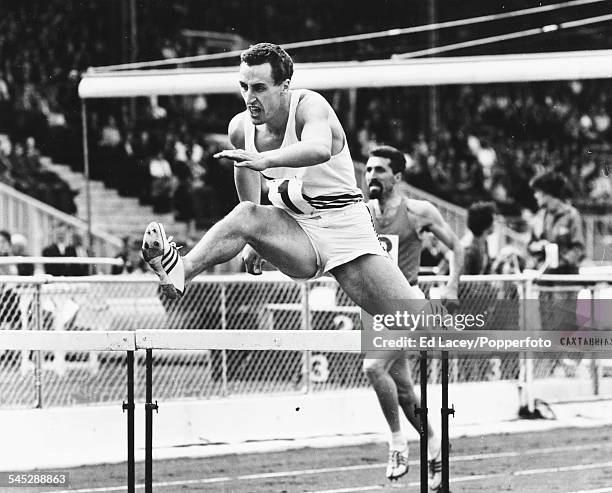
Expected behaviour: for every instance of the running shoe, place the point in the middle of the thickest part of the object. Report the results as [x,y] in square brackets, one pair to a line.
[398,463]
[435,474]
[161,253]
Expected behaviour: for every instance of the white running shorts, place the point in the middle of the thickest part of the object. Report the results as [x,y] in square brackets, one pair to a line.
[339,236]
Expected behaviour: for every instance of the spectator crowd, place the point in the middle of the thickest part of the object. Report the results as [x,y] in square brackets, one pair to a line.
[490,142]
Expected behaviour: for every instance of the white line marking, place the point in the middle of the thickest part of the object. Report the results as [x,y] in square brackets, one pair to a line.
[598,490]
[357,489]
[361,467]
[462,479]
[578,467]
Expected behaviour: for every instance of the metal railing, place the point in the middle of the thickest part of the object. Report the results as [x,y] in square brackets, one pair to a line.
[103,303]
[20,213]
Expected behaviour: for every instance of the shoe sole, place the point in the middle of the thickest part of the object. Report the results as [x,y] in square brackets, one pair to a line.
[157,234]
[395,478]
[156,250]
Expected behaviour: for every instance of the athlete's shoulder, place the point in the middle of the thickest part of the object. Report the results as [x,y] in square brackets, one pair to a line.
[310,99]
[235,130]
[422,208]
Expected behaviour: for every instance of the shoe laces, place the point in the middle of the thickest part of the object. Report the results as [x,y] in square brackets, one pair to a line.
[396,457]
[435,466]
[172,243]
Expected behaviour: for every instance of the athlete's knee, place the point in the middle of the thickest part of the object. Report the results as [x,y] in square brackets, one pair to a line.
[405,390]
[245,209]
[373,368]
[247,215]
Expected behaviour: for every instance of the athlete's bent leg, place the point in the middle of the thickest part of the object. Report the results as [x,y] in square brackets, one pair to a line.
[376,368]
[407,398]
[274,234]
[377,285]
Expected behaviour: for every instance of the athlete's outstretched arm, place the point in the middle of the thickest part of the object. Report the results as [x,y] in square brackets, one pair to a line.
[313,148]
[315,142]
[248,181]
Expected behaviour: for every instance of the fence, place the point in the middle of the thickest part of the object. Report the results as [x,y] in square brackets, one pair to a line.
[597,228]
[102,303]
[598,233]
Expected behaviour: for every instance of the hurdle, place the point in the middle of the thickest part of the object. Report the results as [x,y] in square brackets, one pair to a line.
[302,340]
[423,413]
[86,341]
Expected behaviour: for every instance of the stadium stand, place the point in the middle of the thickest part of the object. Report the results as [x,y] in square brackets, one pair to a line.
[492,139]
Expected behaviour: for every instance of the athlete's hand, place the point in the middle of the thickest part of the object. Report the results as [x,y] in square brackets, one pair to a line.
[449,297]
[252,260]
[243,159]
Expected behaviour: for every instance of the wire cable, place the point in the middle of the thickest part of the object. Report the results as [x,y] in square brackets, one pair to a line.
[504,37]
[353,37]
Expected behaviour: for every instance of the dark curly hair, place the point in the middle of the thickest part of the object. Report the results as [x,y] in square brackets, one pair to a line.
[279,59]
[395,156]
[480,217]
[552,183]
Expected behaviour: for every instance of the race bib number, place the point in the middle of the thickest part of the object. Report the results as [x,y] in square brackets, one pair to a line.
[287,194]
[391,245]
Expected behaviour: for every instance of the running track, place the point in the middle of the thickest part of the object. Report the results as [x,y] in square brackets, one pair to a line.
[574,460]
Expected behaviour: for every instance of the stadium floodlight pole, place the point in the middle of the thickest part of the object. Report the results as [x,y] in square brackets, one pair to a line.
[86,170]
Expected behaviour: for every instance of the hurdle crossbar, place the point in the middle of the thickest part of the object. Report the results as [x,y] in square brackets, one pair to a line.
[67,340]
[74,340]
[276,340]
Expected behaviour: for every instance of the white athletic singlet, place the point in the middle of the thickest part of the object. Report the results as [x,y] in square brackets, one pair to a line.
[310,189]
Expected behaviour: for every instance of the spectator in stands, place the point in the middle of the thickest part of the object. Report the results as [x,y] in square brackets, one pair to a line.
[6,250]
[6,175]
[188,155]
[468,181]
[20,249]
[109,153]
[509,260]
[133,263]
[5,103]
[480,223]
[9,300]
[143,150]
[61,247]
[163,183]
[556,222]
[80,251]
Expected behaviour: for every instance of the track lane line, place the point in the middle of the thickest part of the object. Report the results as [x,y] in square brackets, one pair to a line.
[281,474]
[462,479]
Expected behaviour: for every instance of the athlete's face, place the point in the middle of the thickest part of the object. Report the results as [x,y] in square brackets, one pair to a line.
[380,177]
[262,97]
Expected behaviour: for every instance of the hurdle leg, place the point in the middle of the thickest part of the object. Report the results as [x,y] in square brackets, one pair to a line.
[422,413]
[446,411]
[129,407]
[149,407]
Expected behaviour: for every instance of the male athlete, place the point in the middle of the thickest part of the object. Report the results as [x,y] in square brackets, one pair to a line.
[317,223]
[395,214]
